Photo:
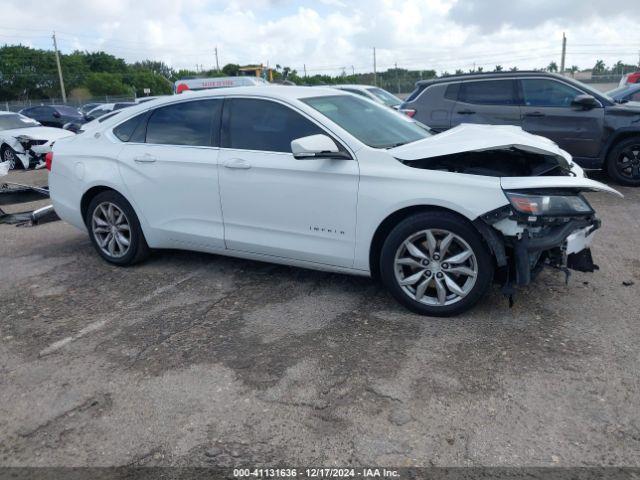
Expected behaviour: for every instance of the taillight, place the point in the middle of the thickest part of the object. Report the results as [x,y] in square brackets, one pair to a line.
[48,159]
[409,112]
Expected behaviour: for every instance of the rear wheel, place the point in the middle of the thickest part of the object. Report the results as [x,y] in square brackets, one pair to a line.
[114,229]
[436,264]
[623,163]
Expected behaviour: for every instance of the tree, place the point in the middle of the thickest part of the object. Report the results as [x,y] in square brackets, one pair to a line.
[231,69]
[553,67]
[498,68]
[105,83]
[599,67]
[513,69]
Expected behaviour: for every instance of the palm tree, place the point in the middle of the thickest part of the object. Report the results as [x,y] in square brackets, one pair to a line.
[553,67]
[599,67]
[498,68]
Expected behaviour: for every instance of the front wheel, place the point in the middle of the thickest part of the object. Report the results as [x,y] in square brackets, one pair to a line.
[623,163]
[115,230]
[436,264]
[9,155]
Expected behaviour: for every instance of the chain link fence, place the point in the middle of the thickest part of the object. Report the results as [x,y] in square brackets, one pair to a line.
[17,105]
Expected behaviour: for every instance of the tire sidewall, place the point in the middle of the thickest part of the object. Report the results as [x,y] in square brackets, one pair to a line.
[138,242]
[445,221]
[612,168]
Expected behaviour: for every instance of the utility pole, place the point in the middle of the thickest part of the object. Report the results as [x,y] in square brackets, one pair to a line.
[397,79]
[217,64]
[564,53]
[304,67]
[375,75]
[353,71]
[55,47]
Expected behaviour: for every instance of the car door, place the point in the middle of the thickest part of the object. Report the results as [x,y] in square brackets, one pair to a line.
[489,101]
[169,166]
[274,204]
[547,110]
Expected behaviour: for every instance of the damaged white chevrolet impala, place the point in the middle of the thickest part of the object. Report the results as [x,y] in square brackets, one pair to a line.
[24,142]
[322,179]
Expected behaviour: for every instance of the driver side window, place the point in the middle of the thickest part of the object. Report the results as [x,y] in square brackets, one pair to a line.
[547,93]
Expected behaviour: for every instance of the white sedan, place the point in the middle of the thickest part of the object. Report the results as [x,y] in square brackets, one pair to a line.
[318,178]
[23,141]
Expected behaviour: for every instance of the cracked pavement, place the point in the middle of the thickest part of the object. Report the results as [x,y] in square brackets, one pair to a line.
[199,360]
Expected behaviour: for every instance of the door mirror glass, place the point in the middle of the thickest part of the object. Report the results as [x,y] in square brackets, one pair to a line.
[316,146]
[586,102]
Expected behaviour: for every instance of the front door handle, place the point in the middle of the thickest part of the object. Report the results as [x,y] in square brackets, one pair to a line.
[534,114]
[146,158]
[237,163]
[466,112]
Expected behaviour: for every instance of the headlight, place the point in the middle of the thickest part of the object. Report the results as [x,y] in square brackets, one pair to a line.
[550,205]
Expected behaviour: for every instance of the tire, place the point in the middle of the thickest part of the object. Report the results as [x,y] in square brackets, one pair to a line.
[623,162]
[110,212]
[406,253]
[9,155]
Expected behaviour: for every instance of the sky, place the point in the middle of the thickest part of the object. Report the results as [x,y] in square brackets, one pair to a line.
[329,36]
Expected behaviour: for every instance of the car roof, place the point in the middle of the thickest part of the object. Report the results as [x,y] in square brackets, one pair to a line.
[282,92]
[489,75]
[353,85]
[6,112]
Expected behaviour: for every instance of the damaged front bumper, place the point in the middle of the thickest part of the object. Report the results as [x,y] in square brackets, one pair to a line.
[524,245]
[31,152]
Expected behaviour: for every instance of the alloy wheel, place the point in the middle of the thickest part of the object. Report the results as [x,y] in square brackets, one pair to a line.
[436,267]
[111,229]
[628,162]
[9,156]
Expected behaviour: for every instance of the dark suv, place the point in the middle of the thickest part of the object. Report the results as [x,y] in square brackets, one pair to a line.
[53,115]
[586,123]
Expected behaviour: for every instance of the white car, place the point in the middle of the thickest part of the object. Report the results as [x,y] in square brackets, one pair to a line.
[318,178]
[24,141]
[376,94]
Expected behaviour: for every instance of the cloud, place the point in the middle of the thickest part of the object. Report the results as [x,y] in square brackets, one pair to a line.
[492,14]
[329,35]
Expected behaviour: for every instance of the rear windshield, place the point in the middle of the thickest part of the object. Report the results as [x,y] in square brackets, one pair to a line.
[385,97]
[67,110]
[373,124]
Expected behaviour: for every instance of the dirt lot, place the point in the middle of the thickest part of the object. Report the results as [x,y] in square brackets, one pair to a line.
[194,359]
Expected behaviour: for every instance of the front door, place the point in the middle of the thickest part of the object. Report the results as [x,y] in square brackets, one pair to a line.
[171,174]
[491,102]
[547,111]
[274,204]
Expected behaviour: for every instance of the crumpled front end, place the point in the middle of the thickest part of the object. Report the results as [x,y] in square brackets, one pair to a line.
[548,225]
[31,151]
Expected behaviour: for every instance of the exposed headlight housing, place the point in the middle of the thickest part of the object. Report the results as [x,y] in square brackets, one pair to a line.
[550,205]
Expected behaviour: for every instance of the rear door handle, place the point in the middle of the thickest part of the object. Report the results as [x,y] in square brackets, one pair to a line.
[534,114]
[238,164]
[146,158]
[466,112]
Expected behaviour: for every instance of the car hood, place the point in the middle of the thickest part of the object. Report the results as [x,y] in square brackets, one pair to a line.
[38,133]
[574,183]
[472,137]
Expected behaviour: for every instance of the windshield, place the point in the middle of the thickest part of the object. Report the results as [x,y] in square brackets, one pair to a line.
[8,122]
[67,110]
[385,97]
[372,124]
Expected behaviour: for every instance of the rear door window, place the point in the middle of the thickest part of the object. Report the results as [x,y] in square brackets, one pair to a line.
[488,92]
[188,123]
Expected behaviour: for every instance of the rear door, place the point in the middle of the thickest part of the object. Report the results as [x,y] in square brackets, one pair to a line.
[547,111]
[490,101]
[170,169]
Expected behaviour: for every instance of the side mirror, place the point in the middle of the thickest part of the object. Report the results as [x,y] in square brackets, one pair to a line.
[586,102]
[316,146]
[56,114]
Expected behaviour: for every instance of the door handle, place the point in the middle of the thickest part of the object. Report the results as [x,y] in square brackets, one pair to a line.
[466,112]
[534,114]
[238,164]
[146,158]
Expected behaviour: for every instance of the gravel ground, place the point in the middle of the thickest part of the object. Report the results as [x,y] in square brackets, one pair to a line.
[200,360]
